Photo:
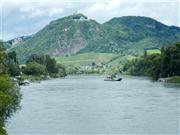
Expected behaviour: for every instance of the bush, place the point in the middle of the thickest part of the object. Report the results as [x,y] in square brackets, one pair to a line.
[72,69]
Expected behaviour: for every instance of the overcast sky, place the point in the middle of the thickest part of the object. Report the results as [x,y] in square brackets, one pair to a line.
[25,17]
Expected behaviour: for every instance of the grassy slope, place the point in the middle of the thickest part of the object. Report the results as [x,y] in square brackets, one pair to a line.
[121,60]
[86,58]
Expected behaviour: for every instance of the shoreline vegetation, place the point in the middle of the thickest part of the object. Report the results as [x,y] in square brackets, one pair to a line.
[160,65]
[174,79]
[10,96]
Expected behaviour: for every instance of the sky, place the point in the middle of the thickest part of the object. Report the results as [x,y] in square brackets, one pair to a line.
[26,17]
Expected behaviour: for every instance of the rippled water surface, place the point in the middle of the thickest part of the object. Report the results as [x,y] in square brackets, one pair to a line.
[89,105]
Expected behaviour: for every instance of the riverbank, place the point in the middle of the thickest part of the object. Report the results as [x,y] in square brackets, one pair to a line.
[174,79]
[33,77]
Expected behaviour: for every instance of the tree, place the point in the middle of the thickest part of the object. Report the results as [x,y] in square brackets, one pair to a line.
[46,60]
[9,99]
[41,59]
[51,65]
[166,64]
[34,68]
[14,69]
[61,70]
[171,60]
[11,64]
[12,55]
[9,93]
[2,58]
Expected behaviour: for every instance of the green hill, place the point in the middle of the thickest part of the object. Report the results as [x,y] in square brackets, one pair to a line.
[131,34]
[76,34]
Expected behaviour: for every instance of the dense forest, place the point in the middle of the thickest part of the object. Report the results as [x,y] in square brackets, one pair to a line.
[166,64]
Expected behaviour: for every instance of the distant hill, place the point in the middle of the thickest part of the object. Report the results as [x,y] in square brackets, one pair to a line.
[77,34]
[143,32]
[11,43]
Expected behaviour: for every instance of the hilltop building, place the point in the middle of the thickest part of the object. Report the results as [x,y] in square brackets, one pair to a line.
[79,17]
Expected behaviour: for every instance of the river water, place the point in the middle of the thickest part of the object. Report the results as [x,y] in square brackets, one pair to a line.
[89,105]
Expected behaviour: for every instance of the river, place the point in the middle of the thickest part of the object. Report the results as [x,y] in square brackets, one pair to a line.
[89,105]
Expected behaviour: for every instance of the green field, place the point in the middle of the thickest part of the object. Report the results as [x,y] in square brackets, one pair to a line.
[121,60]
[153,51]
[88,58]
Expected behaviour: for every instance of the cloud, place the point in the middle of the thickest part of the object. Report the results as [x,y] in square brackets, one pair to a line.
[23,18]
[113,4]
[40,10]
[55,11]
[104,6]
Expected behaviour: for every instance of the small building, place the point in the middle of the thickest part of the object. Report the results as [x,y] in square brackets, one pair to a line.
[150,51]
[83,18]
[79,17]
